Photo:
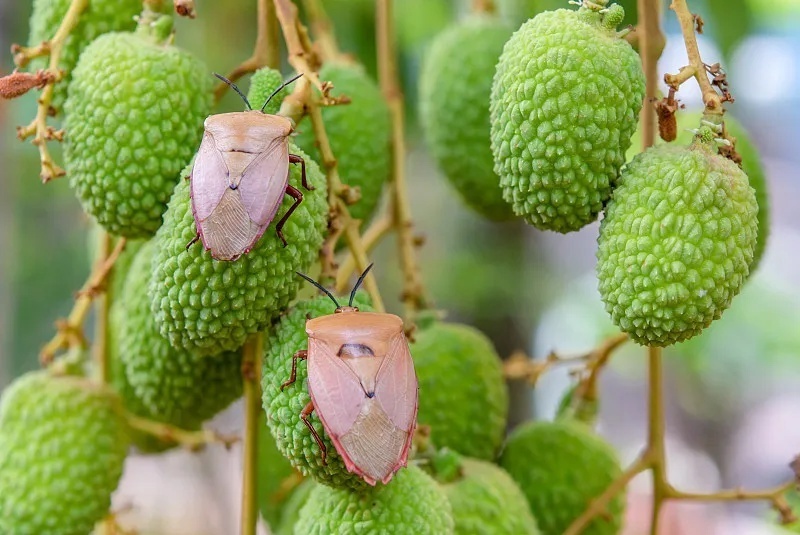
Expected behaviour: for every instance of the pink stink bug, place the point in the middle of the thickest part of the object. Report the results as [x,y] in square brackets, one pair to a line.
[240,176]
[363,386]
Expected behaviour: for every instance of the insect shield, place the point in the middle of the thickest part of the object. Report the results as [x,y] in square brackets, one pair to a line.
[363,386]
[240,176]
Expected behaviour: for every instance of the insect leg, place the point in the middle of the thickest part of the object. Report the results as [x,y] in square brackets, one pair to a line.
[294,158]
[302,354]
[304,414]
[298,198]
[194,240]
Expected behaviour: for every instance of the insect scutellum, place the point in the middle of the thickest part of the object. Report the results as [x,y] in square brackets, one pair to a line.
[339,308]
[277,90]
[235,88]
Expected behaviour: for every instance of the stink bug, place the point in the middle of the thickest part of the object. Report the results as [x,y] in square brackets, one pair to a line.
[240,176]
[363,386]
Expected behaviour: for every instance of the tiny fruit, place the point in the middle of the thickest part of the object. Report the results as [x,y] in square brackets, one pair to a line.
[561,467]
[565,101]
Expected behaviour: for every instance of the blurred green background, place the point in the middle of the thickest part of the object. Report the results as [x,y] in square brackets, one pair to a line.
[527,290]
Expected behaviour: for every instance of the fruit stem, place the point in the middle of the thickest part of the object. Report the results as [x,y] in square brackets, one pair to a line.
[655,433]
[251,373]
[193,440]
[303,59]
[381,226]
[413,295]
[43,133]
[266,51]
[696,68]
[321,25]
[102,305]
[69,331]
[651,45]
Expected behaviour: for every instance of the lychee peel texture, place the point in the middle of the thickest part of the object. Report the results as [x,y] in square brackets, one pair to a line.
[561,467]
[262,84]
[63,444]
[359,134]
[676,243]
[283,407]
[210,306]
[454,87]
[412,503]
[565,101]
[466,411]
[134,117]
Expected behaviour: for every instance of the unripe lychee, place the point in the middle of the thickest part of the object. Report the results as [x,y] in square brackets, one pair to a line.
[262,84]
[274,473]
[283,407]
[134,117]
[454,88]
[751,165]
[561,467]
[359,134]
[412,503]
[98,17]
[63,442]
[676,243]
[466,411]
[212,306]
[180,387]
[485,499]
[565,101]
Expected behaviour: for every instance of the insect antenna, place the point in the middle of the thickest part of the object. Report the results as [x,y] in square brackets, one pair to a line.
[233,86]
[358,283]
[321,287]
[284,84]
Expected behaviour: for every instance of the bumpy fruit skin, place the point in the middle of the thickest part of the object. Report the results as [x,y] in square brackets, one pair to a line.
[676,243]
[292,507]
[262,84]
[412,503]
[359,134]
[466,411]
[273,471]
[486,500]
[99,17]
[565,101]
[751,165]
[63,444]
[212,306]
[283,407]
[560,467]
[454,88]
[135,115]
[180,387]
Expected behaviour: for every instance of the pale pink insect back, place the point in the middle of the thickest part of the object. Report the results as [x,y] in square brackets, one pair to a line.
[362,384]
[240,176]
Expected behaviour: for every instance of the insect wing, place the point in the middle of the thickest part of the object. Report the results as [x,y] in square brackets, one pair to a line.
[209,179]
[263,182]
[335,389]
[396,384]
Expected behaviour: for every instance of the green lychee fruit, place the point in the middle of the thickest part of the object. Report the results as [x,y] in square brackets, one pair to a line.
[466,411]
[262,84]
[135,115]
[206,305]
[283,407]
[63,443]
[291,509]
[275,472]
[485,499]
[179,387]
[454,88]
[412,503]
[751,165]
[676,243]
[565,101]
[560,467]
[99,17]
[359,133]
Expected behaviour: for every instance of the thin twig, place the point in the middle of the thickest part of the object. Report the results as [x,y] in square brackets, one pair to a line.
[266,51]
[374,233]
[251,373]
[413,296]
[70,330]
[651,44]
[322,29]
[38,128]
[192,440]
[102,305]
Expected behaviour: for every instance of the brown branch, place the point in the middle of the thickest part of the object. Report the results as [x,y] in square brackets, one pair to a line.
[102,304]
[266,51]
[323,30]
[413,296]
[192,440]
[70,330]
[376,231]
[651,45]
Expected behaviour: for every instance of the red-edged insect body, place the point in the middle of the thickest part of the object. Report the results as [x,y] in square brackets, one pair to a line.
[363,386]
[239,178]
